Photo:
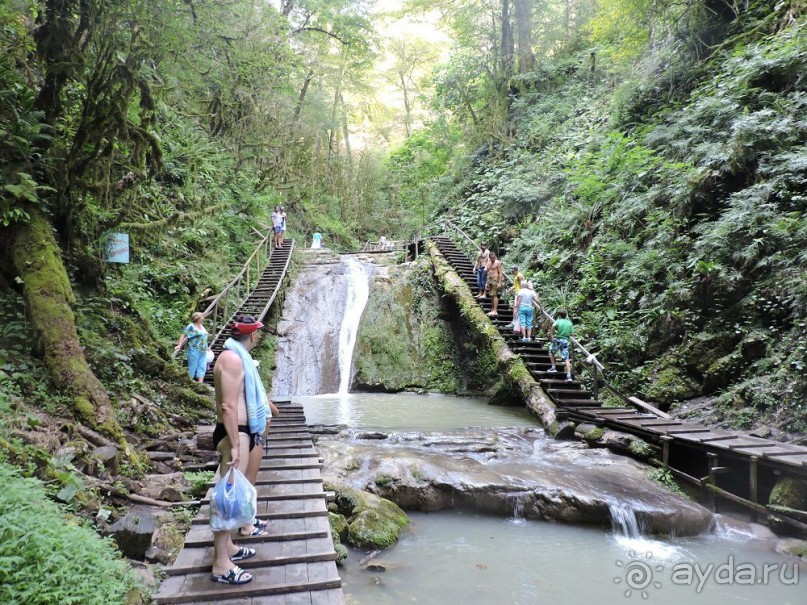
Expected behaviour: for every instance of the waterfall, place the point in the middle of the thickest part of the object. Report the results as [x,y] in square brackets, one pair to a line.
[624,521]
[358,291]
[319,326]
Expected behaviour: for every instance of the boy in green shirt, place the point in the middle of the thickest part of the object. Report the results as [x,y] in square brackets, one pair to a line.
[560,332]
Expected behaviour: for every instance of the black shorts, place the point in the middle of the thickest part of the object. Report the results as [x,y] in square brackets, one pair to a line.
[220,433]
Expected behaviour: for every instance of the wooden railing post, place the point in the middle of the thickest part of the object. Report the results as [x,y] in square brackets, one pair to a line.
[754,487]
[712,480]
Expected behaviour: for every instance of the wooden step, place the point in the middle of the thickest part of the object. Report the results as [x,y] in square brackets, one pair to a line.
[268,553]
[277,509]
[297,577]
[279,530]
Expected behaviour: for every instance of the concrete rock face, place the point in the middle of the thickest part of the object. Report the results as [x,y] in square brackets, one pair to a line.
[507,472]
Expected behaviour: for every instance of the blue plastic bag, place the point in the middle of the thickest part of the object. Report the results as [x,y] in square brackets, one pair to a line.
[233,503]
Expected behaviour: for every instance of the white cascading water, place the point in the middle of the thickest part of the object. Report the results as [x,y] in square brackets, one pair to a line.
[624,522]
[356,296]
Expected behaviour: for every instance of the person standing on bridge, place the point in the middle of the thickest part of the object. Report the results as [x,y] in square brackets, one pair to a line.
[316,240]
[242,408]
[195,335]
[495,277]
[277,227]
[560,333]
[282,225]
[481,269]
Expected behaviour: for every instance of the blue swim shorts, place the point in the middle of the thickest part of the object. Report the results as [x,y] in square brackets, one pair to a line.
[562,345]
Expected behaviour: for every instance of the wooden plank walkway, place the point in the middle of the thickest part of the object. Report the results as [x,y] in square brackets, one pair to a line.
[296,562]
[687,447]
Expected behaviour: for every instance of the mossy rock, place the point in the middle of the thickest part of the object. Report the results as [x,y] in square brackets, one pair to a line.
[147,362]
[373,522]
[640,448]
[594,434]
[338,526]
[371,529]
[791,493]
[672,384]
[341,552]
[703,349]
[347,502]
[722,372]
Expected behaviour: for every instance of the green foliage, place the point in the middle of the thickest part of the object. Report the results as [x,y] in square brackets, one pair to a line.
[664,476]
[47,557]
[199,481]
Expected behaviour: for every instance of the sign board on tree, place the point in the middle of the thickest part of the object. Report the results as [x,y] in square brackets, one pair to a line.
[117,248]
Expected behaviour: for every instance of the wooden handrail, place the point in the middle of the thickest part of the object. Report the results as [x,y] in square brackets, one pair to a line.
[235,284]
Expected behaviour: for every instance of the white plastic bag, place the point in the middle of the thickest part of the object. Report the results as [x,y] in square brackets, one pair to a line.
[233,502]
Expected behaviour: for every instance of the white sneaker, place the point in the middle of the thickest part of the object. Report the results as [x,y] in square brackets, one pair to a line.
[568,377]
[552,369]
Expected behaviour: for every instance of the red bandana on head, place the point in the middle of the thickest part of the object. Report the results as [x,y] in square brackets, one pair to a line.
[239,329]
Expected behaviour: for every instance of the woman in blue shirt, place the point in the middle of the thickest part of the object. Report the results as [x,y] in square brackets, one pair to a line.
[196,337]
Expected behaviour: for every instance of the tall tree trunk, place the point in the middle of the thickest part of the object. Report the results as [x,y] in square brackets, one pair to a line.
[333,128]
[346,132]
[507,45]
[37,260]
[524,28]
[407,105]
[301,99]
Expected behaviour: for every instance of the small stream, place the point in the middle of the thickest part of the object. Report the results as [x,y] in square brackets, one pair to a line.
[462,558]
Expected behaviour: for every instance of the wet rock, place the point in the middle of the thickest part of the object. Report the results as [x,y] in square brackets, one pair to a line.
[371,435]
[797,548]
[133,533]
[542,478]
[376,567]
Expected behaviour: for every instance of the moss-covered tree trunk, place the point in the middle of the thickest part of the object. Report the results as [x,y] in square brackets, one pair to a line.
[37,260]
[511,365]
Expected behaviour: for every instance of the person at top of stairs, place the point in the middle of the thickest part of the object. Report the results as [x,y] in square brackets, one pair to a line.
[282,225]
[277,226]
[481,269]
[316,240]
[560,333]
[495,277]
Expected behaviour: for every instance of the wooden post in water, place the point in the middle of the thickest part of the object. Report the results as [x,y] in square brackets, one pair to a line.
[754,495]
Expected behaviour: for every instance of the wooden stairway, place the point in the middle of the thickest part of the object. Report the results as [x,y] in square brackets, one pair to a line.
[260,299]
[739,467]
[296,561]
